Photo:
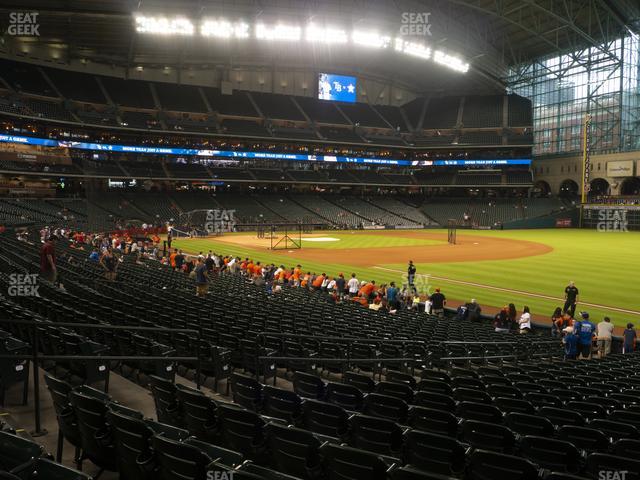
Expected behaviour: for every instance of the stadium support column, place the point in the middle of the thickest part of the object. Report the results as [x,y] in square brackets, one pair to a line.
[586,163]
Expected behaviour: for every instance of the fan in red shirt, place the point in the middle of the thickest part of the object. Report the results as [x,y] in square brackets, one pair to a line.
[48,269]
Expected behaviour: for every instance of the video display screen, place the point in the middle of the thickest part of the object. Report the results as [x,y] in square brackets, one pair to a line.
[338,88]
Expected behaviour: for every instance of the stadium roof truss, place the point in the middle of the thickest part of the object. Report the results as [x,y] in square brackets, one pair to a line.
[526,29]
[601,80]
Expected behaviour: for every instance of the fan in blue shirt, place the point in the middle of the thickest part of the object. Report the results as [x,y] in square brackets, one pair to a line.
[570,344]
[585,330]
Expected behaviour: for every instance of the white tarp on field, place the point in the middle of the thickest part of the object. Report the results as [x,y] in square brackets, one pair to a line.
[320,239]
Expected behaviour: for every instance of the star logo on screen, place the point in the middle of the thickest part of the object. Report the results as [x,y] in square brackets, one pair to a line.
[351,88]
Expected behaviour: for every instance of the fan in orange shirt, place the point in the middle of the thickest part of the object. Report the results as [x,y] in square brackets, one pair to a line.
[317,283]
[367,289]
[296,272]
[361,300]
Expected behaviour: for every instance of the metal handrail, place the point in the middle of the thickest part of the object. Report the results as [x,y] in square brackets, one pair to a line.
[98,326]
[385,340]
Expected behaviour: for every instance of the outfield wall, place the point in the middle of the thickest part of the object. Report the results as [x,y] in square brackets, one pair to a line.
[611,218]
[563,219]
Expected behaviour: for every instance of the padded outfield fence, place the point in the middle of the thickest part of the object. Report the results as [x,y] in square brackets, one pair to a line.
[611,217]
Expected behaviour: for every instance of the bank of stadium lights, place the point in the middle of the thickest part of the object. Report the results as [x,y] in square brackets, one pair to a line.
[450,61]
[412,48]
[224,29]
[278,32]
[370,39]
[164,25]
[312,33]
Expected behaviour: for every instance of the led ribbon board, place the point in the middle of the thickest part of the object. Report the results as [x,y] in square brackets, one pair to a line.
[102,147]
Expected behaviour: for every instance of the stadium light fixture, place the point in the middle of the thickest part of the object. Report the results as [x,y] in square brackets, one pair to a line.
[278,32]
[318,34]
[164,25]
[450,61]
[313,33]
[224,29]
[414,49]
[370,39]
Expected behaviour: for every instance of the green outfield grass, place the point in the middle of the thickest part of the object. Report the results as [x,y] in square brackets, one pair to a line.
[605,267]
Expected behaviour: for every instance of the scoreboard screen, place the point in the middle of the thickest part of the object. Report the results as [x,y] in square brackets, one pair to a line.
[338,88]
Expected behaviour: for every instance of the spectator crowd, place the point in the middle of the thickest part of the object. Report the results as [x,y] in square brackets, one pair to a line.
[580,337]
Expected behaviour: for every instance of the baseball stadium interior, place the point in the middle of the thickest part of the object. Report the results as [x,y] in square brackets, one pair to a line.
[285,240]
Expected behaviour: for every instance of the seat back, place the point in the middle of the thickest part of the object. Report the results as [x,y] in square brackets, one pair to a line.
[479,411]
[293,451]
[282,404]
[555,455]
[626,416]
[561,416]
[241,430]
[377,435]
[346,463]
[508,405]
[65,414]
[164,396]
[17,451]
[626,448]
[399,390]
[524,424]
[346,396]
[199,413]
[439,401]
[324,418]
[600,462]
[615,430]
[246,391]
[588,439]
[132,439]
[434,421]
[307,385]
[49,470]
[588,410]
[401,377]
[96,441]
[253,471]
[409,473]
[59,391]
[384,406]
[543,400]
[363,382]
[435,385]
[179,461]
[485,465]
[434,453]
[218,455]
[488,436]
